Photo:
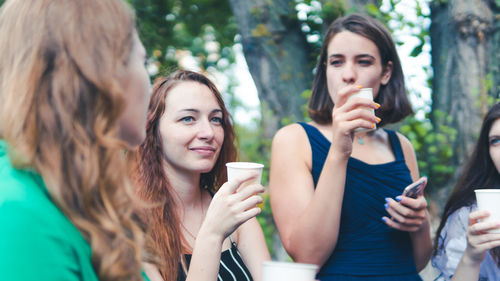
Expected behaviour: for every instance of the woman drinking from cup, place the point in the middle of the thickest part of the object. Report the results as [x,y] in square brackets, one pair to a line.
[464,247]
[337,202]
[201,230]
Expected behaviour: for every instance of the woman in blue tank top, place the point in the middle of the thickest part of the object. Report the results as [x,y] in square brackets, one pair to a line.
[337,201]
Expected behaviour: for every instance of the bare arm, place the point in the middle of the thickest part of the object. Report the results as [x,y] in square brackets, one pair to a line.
[227,211]
[252,247]
[299,209]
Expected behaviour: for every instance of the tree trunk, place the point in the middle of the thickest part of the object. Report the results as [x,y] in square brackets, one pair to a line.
[465,60]
[277,55]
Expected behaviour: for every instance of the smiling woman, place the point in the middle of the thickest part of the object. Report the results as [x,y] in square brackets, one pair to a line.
[201,231]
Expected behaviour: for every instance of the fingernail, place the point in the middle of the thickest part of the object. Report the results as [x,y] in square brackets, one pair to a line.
[384,219]
[374,126]
[386,205]
[359,86]
[399,198]
[387,199]
[378,119]
[377,105]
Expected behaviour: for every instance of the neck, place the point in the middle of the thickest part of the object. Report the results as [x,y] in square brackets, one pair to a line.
[186,185]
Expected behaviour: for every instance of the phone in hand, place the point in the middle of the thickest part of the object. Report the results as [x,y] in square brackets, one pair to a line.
[416,188]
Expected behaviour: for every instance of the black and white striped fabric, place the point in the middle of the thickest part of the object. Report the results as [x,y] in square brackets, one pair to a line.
[232,267]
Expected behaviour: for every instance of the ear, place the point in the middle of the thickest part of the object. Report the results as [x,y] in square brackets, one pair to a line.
[386,74]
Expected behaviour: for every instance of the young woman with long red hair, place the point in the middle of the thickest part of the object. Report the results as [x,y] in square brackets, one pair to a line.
[201,231]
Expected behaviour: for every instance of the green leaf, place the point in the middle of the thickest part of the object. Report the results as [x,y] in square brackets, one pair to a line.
[417,50]
[372,9]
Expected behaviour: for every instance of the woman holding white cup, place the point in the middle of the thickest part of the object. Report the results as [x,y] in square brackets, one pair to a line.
[336,182]
[466,245]
[204,227]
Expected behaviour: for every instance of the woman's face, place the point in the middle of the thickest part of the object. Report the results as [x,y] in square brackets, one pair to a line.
[191,128]
[137,89]
[494,143]
[354,60]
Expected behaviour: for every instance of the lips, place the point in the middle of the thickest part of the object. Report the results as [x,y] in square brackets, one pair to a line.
[203,150]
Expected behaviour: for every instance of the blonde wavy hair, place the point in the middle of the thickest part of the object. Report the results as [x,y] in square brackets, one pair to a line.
[60,102]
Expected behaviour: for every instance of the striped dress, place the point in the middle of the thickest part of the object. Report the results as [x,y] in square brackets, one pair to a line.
[232,267]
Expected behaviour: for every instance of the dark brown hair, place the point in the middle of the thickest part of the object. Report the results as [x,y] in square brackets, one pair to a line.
[153,183]
[392,97]
[479,172]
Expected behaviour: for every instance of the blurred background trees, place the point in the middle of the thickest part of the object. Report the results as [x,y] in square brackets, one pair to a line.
[280,40]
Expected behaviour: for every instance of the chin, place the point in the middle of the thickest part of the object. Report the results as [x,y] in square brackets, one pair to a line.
[205,168]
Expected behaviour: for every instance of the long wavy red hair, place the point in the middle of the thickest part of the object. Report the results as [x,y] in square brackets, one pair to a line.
[60,106]
[153,184]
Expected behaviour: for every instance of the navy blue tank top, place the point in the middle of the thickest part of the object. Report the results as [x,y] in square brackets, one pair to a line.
[367,249]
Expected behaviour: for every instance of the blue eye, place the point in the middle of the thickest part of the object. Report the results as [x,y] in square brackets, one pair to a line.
[494,141]
[216,120]
[187,119]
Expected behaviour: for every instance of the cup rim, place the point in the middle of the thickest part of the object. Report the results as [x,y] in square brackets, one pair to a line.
[485,190]
[290,264]
[244,165]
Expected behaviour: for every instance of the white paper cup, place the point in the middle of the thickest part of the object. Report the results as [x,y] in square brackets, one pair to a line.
[242,169]
[489,199]
[366,93]
[288,271]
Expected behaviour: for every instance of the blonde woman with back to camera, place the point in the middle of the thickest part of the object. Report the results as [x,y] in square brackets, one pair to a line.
[73,99]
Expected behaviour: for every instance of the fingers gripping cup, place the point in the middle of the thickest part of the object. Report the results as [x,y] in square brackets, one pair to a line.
[489,200]
[288,271]
[365,93]
[242,169]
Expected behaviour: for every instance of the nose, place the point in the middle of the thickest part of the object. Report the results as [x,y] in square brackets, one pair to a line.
[206,131]
[349,74]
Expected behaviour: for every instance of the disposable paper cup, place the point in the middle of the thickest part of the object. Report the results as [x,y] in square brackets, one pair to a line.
[489,199]
[366,93]
[288,271]
[242,169]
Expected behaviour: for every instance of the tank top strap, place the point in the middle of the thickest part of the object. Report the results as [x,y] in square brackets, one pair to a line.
[395,145]
[311,131]
[320,146]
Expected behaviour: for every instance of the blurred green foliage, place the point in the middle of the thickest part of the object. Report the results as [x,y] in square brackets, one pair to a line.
[169,29]
[433,147]
[206,30]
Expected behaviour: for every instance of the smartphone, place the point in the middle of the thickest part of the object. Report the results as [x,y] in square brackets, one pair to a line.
[416,188]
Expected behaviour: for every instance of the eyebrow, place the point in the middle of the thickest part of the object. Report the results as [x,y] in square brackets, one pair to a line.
[197,111]
[357,56]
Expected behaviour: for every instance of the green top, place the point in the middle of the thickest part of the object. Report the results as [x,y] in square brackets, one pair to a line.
[37,241]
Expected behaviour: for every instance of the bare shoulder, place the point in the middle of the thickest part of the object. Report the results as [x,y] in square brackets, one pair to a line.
[409,154]
[291,145]
[293,133]
[405,144]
